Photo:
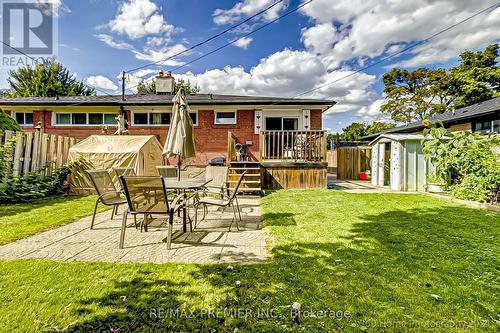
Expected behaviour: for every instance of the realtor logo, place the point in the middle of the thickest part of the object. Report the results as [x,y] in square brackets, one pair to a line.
[28,27]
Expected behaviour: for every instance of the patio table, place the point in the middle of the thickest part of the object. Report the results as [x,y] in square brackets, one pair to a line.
[186,184]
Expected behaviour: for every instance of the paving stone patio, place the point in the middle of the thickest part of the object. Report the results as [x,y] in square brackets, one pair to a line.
[210,242]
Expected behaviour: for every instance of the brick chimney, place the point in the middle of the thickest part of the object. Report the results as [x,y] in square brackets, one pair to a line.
[165,83]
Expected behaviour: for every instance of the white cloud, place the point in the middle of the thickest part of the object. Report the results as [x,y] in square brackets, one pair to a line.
[100,81]
[110,42]
[243,42]
[52,7]
[279,75]
[138,18]
[158,55]
[248,8]
[371,28]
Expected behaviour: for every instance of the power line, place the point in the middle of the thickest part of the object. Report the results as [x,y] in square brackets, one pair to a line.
[235,40]
[161,62]
[399,52]
[38,63]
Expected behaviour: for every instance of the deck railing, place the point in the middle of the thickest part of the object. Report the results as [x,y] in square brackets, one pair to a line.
[299,146]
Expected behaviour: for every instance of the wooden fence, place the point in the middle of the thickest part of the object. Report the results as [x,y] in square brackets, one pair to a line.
[352,160]
[35,151]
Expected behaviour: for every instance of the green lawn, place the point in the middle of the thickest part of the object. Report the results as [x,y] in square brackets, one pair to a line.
[23,220]
[370,262]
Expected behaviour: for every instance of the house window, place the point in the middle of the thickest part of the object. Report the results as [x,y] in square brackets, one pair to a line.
[84,119]
[486,127]
[158,118]
[281,123]
[225,118]
[24,118]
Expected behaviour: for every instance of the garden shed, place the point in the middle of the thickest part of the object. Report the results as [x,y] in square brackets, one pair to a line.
[141,152]
[398,162]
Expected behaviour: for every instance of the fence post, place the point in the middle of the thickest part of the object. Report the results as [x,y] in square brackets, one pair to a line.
[18,155]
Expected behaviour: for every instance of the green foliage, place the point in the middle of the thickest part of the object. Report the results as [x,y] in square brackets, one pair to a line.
[466,161]
[35,185]
[6,155]
[8,123]
[149,88]
[47,79]
[422,93]
[355,131]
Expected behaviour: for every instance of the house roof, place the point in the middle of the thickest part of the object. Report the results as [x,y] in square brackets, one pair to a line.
[137,99]
[491,106]
[396,137]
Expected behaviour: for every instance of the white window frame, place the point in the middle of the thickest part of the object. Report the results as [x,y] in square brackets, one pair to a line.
[491,126]
[54,118]
[235,117]
[14,116]
[156,125]
[283,117]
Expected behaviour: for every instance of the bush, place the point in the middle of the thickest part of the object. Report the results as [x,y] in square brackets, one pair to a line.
[8,123]
[35,185]
[466,161]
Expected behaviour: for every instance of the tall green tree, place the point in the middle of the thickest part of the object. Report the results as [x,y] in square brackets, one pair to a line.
[378,126]
[353,132]
[422,93]
[46,79]
[149,88]
[476,78]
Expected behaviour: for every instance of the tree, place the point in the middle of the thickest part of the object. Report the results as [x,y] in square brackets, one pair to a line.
[378,126]
[410,94]
[46,79]
[149,88]
[353,132]
[420,94]
[477,78]
[8,123]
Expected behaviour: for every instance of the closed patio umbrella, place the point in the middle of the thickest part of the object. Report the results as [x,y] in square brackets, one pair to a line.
[180,140]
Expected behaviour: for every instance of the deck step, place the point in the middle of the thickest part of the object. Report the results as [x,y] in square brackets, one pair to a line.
[250,189]
[246,175]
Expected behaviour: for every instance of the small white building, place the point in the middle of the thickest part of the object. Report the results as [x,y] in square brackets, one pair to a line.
[398,162]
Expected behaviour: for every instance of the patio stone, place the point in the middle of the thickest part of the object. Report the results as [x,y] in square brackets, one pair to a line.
[210,242]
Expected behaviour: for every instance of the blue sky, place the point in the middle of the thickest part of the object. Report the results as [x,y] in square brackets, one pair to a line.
[322,42]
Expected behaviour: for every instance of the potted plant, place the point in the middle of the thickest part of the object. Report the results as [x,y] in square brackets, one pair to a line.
[435,183]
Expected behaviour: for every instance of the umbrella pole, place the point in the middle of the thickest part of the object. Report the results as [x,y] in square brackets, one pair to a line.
[179,168]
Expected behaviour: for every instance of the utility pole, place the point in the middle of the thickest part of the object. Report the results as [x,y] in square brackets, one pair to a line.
[124,76]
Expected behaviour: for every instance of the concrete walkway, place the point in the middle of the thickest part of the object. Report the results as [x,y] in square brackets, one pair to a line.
[355,186]
[210,242]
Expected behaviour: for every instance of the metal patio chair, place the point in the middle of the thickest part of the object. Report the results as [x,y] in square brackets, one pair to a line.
[229,199]
[142,197]
[106,190]
[168,171]
[124,171]
[218,184]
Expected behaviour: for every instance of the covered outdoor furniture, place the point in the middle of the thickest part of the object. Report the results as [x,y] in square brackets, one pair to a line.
[106,190]
[142,198]
[168,171]
[229,199]
[139,152]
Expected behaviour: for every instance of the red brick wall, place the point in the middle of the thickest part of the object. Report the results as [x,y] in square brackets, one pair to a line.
[210,139]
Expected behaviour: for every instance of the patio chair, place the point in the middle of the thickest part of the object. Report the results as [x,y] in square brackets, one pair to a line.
[106,190]
[124,171]
[142,197]
[168,171]
[229,199]
[218,176]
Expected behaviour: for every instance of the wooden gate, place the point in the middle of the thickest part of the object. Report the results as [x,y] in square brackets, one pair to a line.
[351,160]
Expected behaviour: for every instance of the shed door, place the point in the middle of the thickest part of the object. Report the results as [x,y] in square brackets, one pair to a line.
[416,167]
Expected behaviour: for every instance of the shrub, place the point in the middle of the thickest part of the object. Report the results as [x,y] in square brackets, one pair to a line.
[466,161]
[8,123]
[35,185]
